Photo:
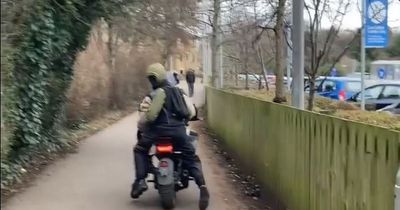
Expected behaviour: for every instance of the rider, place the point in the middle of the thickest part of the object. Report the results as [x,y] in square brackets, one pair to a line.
[160,122]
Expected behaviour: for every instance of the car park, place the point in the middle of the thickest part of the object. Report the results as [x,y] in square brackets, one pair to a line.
[379,96]
[393,109]
[339,88]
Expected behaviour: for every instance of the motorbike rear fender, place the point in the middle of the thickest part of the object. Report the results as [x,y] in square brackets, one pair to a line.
[165,175]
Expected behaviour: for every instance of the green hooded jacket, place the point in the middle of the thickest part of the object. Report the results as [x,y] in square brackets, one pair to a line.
[158,99]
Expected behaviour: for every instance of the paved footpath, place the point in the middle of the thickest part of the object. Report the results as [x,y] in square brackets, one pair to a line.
[99,175]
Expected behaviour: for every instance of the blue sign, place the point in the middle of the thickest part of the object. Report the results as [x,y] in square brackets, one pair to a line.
[333,72]
[376,27]
[381,73]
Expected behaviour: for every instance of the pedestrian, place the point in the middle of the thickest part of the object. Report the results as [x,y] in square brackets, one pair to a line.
[190,79]
[171,78]
[176,77]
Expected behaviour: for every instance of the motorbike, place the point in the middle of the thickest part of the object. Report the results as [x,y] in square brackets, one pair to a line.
[169,174]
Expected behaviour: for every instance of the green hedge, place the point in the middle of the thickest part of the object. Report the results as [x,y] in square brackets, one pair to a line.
[310,161]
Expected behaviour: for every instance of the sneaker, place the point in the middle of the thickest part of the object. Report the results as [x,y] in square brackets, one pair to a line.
[204,198]
[138,187]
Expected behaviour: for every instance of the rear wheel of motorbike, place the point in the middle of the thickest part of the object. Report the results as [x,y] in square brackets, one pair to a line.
[167,195]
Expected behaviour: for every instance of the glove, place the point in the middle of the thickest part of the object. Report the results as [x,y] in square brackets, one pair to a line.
[145,105]
[142,121]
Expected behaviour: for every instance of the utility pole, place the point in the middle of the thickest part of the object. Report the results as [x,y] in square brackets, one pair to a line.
[298,54]
[362,54]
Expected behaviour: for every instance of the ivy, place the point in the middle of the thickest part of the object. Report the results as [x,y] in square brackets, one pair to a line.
[49,38]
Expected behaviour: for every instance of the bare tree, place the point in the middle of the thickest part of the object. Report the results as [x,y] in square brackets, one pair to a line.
[320,42]
[278,15]
[262,65]
[112,48]
[279,61]
[216,30]
[163,21]
[244,40]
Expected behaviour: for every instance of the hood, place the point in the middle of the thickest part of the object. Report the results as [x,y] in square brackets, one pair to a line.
[158,71]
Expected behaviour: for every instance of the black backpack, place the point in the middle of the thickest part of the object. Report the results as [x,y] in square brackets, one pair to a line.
[175,103]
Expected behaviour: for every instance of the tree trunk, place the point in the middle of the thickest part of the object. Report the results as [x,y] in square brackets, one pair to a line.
[166,55]
[265,79]
[310,105]
[214,43]
[247,81]
[263,68]
[236,76]
[113,97]
[279,86]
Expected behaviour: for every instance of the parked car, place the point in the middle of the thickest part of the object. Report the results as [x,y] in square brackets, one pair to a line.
[393,109]
[287,80]
[379,96]
[271,79]
[339,88]
[358,75]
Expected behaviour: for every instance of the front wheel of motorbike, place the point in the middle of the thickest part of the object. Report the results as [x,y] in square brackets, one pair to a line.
[167,195]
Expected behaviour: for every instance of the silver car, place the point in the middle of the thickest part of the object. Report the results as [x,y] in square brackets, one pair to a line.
[393,109]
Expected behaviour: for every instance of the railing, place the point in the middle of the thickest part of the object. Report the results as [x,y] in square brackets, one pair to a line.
[310,161]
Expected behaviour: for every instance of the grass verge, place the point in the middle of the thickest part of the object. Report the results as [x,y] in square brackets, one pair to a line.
[335,108]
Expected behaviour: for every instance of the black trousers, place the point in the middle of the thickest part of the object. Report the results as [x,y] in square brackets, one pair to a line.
[181,142]
[191,88]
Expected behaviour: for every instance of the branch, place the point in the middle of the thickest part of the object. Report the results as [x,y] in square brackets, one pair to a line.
[335,31]
[266,28]
[287,40]
[72,14]
[205,22]
[257,38]
[211,22]
[344,50]
[234,58]
[341,55]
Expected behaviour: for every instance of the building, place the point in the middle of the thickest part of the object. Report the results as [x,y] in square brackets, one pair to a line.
[185,56]
[385,69]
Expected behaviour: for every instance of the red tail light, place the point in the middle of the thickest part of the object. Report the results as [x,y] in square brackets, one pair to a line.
[164,149]
[342,95]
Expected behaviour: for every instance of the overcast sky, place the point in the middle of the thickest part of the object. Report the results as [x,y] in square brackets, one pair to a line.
[352,19]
